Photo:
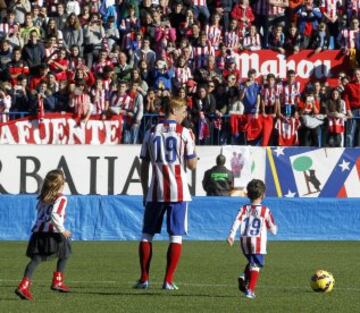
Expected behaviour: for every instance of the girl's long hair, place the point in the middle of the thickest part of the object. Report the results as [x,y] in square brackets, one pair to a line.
[53,182]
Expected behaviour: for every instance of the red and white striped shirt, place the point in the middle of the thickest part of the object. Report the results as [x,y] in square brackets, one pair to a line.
[183,74]
[254,221]
[270,95]
[50,217]
[98,100]
[199,3]
[329,7]
[274,10]
[288,131]
[232,39]
[252,43]
[336,125]
[201,56]
[123,102]
[289,94]
[348,38]
[356,7]
[81,104]
[5,105]
[167,146]
[99,66]
[214,35]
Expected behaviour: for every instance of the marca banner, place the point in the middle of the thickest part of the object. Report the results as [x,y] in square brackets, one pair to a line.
[308,65]
[62,129]
[313,172]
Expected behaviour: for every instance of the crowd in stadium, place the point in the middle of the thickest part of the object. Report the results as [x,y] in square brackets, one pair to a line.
[106,57]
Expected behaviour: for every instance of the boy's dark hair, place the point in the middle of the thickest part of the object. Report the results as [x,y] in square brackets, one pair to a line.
[255,189]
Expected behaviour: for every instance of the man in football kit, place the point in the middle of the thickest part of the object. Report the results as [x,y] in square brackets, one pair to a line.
[253,219]
[168,147]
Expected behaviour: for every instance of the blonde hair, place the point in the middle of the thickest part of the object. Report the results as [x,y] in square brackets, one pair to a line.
[175,104]
[52,184]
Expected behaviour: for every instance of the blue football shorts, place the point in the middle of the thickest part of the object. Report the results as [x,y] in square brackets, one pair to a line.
[176,218]
[256,259]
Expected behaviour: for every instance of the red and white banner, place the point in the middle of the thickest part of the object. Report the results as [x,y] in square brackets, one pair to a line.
[308,65]
[63,129]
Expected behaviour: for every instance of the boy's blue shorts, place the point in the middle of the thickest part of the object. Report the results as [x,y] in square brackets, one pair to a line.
[256,259]
[176,218]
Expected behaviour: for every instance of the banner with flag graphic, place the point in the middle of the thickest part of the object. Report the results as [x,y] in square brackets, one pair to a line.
[313,172]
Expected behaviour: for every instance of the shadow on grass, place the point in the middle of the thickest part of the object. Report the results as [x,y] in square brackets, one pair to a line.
[152,293]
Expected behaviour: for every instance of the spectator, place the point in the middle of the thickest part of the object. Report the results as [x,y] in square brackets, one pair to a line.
[33,52]
[320,40]
[28,28]
[201,10]
[203,111]
[310,120]
[250,94]
[289,95]
[123,68]
[93,35]
[20,8]
[293,40]
[80,102]
[309,17]
[16,67]
[21,95]
[252,40]
[60,65]
[348,41]
[134,114]
[218,181]
[145,53]
[277,39]
[61,16]
[112,34]
[5,104]
[73,33]
[270,108]
[99,99]
[352,100]
[336,117]
[52,31]
[233,36]
[243,13]
[5,55]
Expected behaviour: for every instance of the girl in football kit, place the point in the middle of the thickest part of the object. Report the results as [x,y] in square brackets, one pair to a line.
[49,237]
[254,220]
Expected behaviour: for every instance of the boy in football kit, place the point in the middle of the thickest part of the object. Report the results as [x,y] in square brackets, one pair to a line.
[167,147]
[253,219]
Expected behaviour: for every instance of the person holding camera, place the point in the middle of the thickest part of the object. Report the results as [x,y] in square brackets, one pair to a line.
[94,33]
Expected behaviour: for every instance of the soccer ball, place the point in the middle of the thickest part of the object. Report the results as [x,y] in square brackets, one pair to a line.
[322,281]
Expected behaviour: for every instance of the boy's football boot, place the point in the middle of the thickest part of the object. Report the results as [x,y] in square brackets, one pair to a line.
[242,283]
[250,294]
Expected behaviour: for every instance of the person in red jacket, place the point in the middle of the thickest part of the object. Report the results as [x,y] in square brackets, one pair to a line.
[352,100]
[243,13]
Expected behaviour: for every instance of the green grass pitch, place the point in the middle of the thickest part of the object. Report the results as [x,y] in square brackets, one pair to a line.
[101,275]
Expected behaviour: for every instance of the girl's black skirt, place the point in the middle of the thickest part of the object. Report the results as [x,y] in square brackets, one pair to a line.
[48,245]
